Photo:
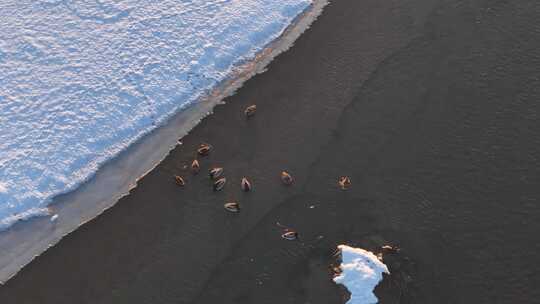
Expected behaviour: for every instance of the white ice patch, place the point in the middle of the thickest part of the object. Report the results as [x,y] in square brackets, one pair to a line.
[82,80]
[361,272]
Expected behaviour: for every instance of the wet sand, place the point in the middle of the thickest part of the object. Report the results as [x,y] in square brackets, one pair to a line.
[431,107]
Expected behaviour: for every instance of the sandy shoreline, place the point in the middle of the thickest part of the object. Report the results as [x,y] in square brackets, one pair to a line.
[429,106]
[27,239]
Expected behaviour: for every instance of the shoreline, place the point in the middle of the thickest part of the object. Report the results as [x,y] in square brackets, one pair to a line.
[25,240]
[430,108]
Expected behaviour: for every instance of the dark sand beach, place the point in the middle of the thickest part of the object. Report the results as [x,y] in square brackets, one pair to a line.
[431,107]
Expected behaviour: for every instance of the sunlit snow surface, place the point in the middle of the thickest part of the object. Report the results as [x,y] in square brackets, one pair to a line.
[361,272]
[81,80]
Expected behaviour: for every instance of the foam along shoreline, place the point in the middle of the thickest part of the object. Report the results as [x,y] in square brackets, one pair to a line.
[26,240]
[361,272]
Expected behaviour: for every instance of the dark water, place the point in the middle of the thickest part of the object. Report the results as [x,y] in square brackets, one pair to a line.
[431,107]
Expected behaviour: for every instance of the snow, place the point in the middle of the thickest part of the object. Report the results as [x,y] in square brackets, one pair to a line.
[80,81]
[361,272]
